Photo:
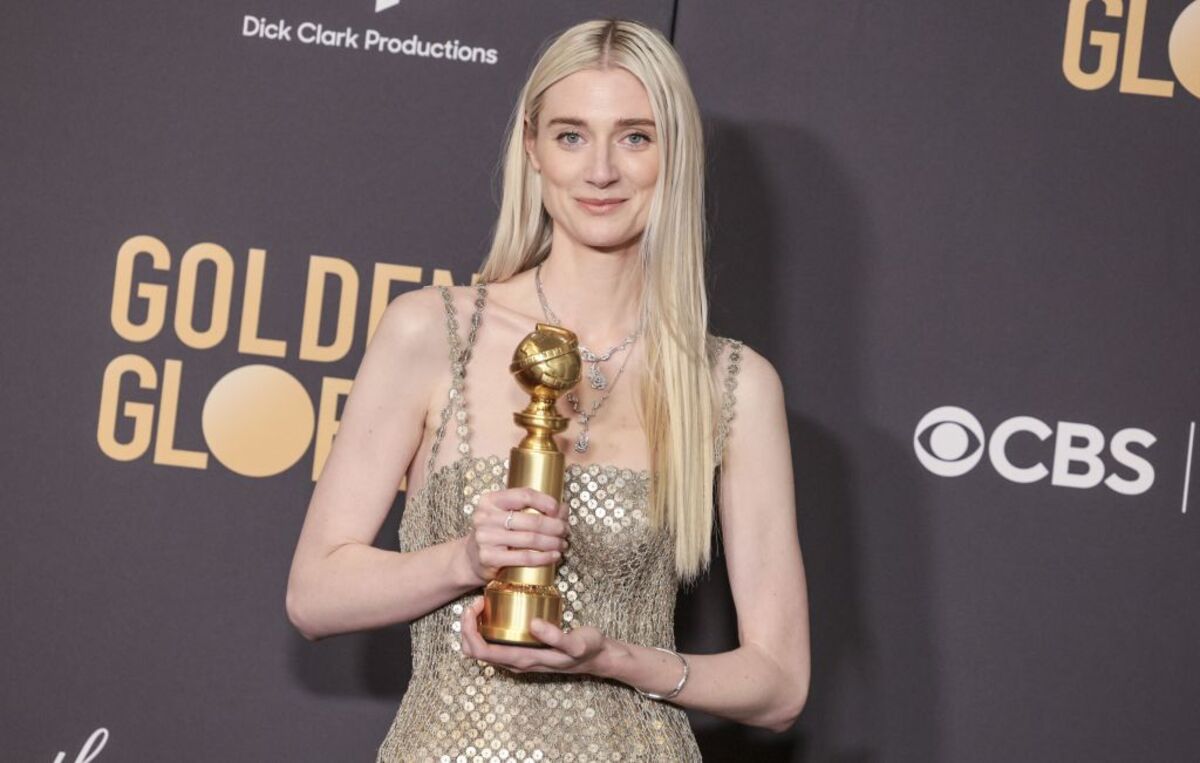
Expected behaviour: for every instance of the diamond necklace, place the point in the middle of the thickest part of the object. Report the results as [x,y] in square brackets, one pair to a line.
[595,376]
[581,443]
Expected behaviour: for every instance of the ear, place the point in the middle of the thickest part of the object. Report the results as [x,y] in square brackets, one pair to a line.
[530,140]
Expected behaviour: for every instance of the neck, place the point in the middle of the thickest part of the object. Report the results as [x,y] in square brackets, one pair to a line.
[596,293]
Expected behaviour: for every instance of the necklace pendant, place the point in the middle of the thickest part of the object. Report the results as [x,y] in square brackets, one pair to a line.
[596,377]
[581,444]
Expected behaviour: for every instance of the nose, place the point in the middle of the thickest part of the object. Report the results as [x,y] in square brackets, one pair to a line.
[602,172]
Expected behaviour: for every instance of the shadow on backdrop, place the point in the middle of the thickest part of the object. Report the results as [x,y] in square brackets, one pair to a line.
[372,663]
[789,250]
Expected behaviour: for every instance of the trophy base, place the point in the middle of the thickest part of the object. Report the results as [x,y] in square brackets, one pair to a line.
[509,608]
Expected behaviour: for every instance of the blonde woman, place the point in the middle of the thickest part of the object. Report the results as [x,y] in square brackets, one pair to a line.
[601,230]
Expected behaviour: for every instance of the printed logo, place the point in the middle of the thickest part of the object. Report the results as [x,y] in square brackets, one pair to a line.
[1091,37]
[365,40]
[257,419]
[91,748]
[949,441]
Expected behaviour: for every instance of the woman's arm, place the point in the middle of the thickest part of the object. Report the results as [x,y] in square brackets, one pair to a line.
[764,682]
[339,582]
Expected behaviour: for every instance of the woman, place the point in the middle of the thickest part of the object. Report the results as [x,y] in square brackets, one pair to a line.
[601,231]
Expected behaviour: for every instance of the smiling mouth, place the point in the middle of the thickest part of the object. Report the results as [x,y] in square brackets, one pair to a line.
[599,205]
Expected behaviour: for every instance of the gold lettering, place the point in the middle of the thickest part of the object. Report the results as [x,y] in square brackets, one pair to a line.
[319,268]
[165,451]
[1107,42]
[332,391]
[1131,81]
[249,342]
[185,305]
[155,294]
[1183,48]
[141,413]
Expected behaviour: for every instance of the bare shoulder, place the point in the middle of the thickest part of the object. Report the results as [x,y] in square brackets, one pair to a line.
[757,374]
[414,324]
[755,414]
[734,357]
[746,373]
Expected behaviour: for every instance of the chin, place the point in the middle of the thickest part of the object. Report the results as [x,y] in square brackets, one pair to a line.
[606,237]
[608,242]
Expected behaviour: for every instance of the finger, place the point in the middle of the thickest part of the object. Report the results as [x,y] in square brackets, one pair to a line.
[522,539]
[516,658]
[497,556]
[480,516]
[469,626]
[524,497]
[498,536]
[528,557]
[552,635]
[533,541]
[527,521]
[479,645]
[481,648]
[493,654]
[546,632]
[529,658]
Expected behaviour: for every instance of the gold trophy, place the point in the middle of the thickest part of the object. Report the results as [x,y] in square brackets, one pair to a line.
[547,365]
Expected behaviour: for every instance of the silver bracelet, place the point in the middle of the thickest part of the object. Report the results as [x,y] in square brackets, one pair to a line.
[682,681]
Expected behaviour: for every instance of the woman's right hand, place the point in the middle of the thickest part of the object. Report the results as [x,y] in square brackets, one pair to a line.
[534,538]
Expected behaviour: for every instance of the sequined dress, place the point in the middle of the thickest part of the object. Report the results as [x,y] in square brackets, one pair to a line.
[617,575]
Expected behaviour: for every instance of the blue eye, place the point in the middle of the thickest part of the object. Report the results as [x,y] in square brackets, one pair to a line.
[644,138]
[570,134]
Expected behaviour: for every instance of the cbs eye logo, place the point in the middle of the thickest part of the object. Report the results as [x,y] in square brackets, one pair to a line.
[949,441]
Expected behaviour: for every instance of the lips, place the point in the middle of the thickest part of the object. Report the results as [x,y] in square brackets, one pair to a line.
[599,206]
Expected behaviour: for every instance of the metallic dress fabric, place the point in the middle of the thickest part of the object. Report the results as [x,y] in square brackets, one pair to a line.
[617,575]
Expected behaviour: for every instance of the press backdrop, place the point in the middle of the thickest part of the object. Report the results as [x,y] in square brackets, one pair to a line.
[965,233]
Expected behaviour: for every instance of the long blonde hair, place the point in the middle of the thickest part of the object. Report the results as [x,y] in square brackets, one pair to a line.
[677,395]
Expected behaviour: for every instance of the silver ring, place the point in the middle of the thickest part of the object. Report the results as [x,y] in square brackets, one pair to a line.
[508,519]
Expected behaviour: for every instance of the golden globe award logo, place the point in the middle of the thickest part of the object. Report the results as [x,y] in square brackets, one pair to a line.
[1085,38]
[258,419]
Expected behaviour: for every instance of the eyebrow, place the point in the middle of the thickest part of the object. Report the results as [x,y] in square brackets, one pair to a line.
[625,122]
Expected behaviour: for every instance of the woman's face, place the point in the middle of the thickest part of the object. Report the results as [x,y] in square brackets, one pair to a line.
[596,148]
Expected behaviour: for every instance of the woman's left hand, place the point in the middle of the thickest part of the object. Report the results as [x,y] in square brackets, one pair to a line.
[576,651]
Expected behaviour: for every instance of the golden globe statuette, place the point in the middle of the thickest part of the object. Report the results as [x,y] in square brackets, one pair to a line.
[547,365]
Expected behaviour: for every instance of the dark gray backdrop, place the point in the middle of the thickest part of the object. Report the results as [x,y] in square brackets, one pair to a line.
[912,207]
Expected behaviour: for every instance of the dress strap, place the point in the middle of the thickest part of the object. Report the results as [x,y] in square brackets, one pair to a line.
[728,398]
[460,355]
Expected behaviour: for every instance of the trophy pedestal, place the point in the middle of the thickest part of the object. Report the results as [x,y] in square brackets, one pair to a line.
[509,608]
[519,594]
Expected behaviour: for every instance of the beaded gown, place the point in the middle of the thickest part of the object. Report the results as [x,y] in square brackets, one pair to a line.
[617,574]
